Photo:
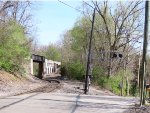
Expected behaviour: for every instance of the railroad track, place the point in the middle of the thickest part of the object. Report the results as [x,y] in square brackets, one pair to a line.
[49,87]
[53,85]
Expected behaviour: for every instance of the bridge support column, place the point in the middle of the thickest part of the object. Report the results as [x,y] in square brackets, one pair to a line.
[45,67]
[46,70]
[50,69]
[31,66]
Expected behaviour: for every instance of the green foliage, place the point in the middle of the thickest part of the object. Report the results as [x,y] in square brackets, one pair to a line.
[101,79]
[105,38]
[99,76]
[52,53]
[74,70]
[79,34]
[114,84]
[134,89]
[79,38]
[13,50]
[111,83]
[63,71]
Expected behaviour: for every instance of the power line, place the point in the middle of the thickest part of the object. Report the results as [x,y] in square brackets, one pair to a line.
[71,6]
[76,8]
[88,4]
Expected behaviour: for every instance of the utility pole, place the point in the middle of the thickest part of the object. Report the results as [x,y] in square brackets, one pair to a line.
[139,65]
[126,63]
[89,55]
[143,66]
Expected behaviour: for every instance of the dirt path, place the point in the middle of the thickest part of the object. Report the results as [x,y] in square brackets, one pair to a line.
[11,85]
[126,103]
[78,88]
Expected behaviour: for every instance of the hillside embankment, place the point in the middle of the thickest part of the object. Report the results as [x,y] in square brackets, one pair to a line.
[11,84]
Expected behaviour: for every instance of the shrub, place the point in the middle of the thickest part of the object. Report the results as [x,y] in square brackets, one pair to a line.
[13,46]
[111,83]
[115,83]
[99,76]
[134,89]
[116,80]
[63,71]
[74,70]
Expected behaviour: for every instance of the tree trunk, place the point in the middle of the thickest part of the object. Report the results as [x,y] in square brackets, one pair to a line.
[109,67]
[127,85]
[110,63]
[143,66]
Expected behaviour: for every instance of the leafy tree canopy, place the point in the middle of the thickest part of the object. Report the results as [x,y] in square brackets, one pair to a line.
[13,46]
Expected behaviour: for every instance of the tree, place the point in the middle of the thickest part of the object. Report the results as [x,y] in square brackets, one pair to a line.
[18,11]
[15,40]
[67,53]
[116,30]
[12,54]
[122,28]
[51,52]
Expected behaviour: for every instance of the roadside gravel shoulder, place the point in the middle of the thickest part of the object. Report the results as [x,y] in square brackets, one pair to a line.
[16,88]
[15,85]
[137,109]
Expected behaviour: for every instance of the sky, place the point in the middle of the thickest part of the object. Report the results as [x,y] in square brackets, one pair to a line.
[52,19]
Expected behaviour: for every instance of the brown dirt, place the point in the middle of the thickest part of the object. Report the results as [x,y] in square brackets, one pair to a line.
[137,109]
[14,84]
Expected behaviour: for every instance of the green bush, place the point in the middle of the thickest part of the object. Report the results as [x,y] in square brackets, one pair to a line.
[63,71]
[74,70]
[99,76]
[114,84]
[134,90]
[111,83]
[6,65]
[13,46]
[115,81]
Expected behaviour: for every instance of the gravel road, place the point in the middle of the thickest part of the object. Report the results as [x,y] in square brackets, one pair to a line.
[65,87]
[75,87]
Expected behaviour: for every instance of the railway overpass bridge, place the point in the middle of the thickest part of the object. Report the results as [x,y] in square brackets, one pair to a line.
[45,66]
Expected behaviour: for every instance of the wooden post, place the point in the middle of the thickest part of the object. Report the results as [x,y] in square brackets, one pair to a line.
[139,63]
[89,55]
[143,65]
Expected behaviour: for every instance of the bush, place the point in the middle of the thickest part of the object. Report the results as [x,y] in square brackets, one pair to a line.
[13,46]
[134,88]
[74,70]
[115,83]
[63,71]
[6,65]
[111,83]
[99,76]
